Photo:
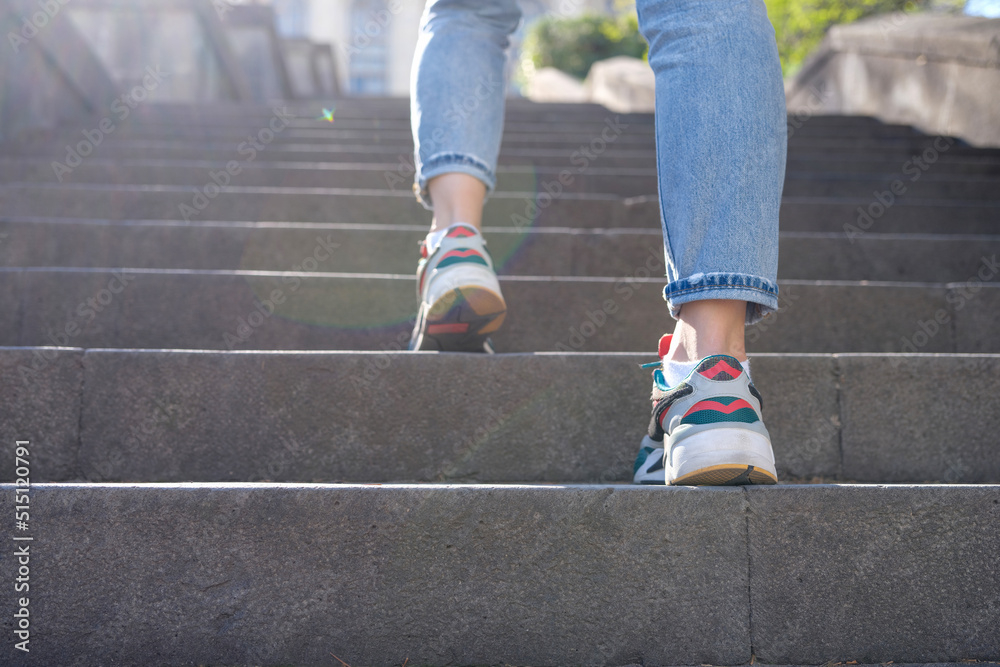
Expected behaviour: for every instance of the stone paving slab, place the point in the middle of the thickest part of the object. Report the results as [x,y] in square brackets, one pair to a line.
[41,395]
[255,310]
[245,574]
[173,416]
[287,574]
[920,417]
[182,416]
[390,176]
[537,251]
[505,209]
[874,573]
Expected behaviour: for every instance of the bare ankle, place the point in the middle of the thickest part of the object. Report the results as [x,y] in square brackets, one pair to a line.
[456,197]
[709,327]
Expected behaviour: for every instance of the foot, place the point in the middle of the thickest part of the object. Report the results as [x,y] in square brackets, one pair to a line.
[460,304]
[707,429]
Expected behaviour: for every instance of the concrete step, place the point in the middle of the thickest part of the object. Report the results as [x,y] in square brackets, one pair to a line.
[350,114]
[401,131]
[398,109]
[539,251]
[368,176]
[524,159]
[434,575]
[613,129]
[505,209]
[175,416]
[151,308]
[599,139]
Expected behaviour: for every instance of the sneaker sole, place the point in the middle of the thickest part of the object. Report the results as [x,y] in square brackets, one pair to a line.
[726,475]
[461,320]
[722,457]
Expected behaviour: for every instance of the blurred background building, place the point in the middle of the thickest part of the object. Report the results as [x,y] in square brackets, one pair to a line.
[931,63]
[375,39]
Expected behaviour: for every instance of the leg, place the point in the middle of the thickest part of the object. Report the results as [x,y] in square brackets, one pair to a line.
[457,111]
[721,140]
[457,108]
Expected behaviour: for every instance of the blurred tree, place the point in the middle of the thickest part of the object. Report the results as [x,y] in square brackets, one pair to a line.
[574,44]
[800,25]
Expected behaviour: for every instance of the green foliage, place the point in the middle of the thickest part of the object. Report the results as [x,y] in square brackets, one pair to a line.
[800,25]
[574,44]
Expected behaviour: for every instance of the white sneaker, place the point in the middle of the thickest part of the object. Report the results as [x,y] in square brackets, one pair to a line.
[459,297]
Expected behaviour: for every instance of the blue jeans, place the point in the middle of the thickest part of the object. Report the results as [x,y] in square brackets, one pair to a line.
[721,136]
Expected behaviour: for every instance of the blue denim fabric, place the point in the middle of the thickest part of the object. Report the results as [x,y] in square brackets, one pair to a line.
[458,87]
[720,130]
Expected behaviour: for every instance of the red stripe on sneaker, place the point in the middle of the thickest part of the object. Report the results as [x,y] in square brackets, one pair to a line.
[721,367]
[460,232]
[738,404]
[450,328]
[462,252]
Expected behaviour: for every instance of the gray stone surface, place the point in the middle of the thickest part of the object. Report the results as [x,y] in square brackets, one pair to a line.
[380,574]
[905,216]
[300,205]
[979,165]
[626,135]
[505,209]
[623,182]
[174,416]
[360,152]
[850,317]
[977,319]
[929,186]
[364,312]
[10,294]
[40,393]
[801,413]
[934,71]
[369,176]
[920,417]
[538,251]
[938,258]
[874,574]
[355,248]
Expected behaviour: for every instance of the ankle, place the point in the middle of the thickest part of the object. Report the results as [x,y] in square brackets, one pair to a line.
[686,349]
[706,328]
[456,197]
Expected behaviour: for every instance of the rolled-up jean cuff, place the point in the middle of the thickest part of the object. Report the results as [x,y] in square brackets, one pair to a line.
[760,294]
[450,163]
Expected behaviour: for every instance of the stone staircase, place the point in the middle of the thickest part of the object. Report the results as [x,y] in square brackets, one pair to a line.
[234,463]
